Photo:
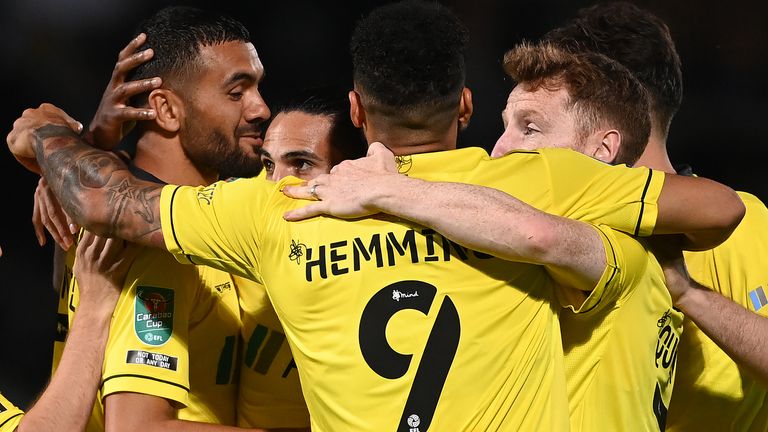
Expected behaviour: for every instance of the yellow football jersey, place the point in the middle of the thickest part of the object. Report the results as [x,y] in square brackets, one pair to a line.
[10,415]
[393,326]
[65,305]
[167,314]
[712,392]
[621,345]
[270,391]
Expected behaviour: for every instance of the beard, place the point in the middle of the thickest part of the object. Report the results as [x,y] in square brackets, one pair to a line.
[231,160]
[217,152]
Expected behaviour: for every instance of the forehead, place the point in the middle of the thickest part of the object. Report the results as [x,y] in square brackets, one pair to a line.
[292,131]
[544,100]
[223,60]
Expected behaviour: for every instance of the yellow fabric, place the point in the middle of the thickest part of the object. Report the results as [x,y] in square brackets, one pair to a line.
[10,415]
[270,391]
[65,305]
[620,348]
[335,284]
[203,307]
[711,392]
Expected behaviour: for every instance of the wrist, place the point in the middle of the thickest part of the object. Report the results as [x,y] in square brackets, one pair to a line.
[689,300]
[101,308]
[390,191]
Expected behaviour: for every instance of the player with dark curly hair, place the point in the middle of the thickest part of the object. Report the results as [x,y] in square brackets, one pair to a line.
[392,325]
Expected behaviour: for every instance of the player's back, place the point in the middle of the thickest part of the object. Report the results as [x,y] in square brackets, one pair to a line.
[392,326]
[403,330]
[712,392]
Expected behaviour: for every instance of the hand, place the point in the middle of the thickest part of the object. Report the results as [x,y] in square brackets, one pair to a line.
[22,139]
[100,268]
[668,251]
[48,214]
[115,118]
[349,191]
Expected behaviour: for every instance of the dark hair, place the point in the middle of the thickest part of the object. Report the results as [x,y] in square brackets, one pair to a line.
[638,40]
[603,92]
[176,34]
[347,141]
[408,58]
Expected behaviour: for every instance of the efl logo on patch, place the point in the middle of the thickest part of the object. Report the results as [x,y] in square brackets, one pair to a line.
[758,298]
[153,320]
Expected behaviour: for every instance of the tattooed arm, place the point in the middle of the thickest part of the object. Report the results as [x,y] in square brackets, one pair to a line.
[94,187]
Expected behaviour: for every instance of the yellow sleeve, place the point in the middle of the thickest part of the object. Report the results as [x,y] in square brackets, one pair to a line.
[147,350]
[621,197]
[217,225]
[10,415]
[626,258]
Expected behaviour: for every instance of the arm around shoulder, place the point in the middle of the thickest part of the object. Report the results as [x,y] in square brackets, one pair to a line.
[705,211]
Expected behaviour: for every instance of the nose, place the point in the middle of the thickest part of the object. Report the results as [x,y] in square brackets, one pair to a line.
[501,148]
[280,171]
[256,109]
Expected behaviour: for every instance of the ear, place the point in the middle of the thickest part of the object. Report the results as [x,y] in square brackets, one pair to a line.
[465,108]
[609,146]
[169,109]
[356,110]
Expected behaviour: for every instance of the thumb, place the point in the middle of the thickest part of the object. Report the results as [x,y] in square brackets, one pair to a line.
[376,148]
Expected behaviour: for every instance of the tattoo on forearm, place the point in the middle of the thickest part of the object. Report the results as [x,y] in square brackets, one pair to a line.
[96,188]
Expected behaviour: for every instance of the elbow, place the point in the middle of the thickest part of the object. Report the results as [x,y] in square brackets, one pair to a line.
[728,216]
[732,212]
[541,242]
[738,210]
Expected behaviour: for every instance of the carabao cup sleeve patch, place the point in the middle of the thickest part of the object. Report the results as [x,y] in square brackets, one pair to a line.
[153,318]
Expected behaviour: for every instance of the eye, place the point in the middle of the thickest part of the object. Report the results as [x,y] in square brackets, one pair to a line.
[269,166]
[529,129]
[236,93]
[303,165]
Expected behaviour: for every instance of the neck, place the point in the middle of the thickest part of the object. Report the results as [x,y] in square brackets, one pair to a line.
[655,155]
[163,157]
[402,141]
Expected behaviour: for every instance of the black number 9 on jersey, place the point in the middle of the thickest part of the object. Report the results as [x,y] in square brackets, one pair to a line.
[438,352]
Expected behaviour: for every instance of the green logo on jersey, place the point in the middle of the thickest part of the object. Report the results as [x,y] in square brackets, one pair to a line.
[153,320]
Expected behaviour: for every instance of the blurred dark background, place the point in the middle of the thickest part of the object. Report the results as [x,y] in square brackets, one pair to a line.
[64,52]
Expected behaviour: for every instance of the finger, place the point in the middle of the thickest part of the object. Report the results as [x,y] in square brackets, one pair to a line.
[58,220]
[51,228]
[298,192]
[51,210]
[128,254]
[73,227]
[84,245]
[111,250]
[375,148]
[132,62]
[308,211]
[97,248]
[132,46]
[37,221]
[132,88]
[134,114]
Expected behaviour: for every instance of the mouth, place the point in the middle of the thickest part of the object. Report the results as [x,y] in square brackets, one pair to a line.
[254,141]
